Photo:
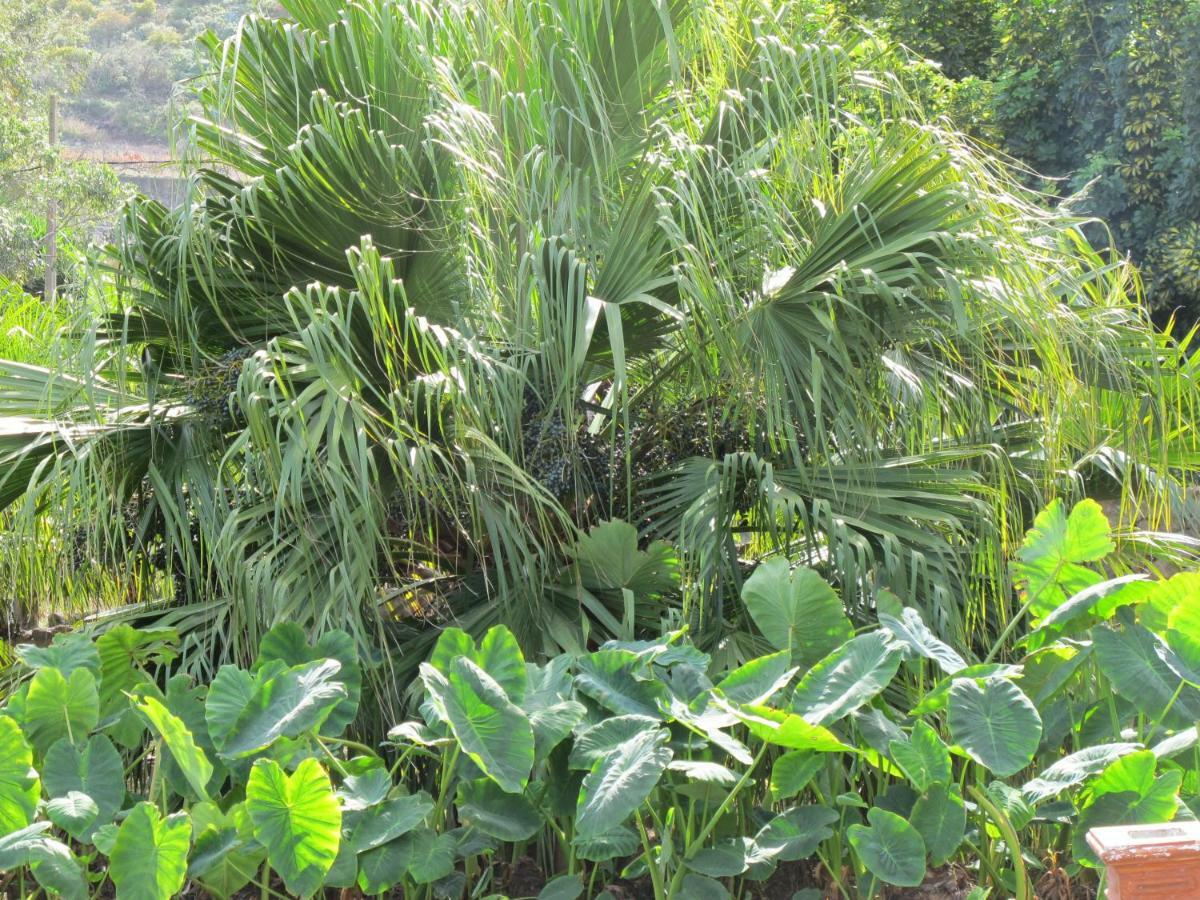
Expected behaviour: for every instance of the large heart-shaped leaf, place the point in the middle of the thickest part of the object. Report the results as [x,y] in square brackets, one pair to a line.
[170,729]
[758,680]
[125,655]
[94,769]
[1183,629]
[225,856]
[923,757]
[58,707]
[1128,793]
[787,730]
[75,814]
[1129,657]
[67,652]
[847,678]
[606,736]
[1047,565]
[297,819]
[149,859]
[796,610]
[509,817]
[377,825]
[1074,769]
[890,848]
[494,732]
[18,780]
[995,723]
[911,631]
[620,782]
[247,713]
[796,833]
[50,861]
[610,677]
[288,643]
[941,817]
[424,855]
[792,772]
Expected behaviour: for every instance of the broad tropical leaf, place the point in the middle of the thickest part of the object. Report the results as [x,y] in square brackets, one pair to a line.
[994,722]
[288,643]
[93,768]
[847,678]
[485,806]
[941,817]
[890,848]
[58,707]
[923,758]
[247,713]
[178,740]
[298,820]
[796,610]
[149,859]
[620,782]
[19,789]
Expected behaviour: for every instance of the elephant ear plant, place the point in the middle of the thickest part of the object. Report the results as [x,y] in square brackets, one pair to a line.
[872,756]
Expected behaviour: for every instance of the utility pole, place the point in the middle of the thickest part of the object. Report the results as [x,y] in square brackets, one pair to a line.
[50,291]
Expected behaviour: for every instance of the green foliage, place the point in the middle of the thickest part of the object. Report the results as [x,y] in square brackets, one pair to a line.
[639,759]
[576,350]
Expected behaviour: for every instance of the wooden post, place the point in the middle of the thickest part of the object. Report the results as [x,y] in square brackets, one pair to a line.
[1149,862]
[50,290]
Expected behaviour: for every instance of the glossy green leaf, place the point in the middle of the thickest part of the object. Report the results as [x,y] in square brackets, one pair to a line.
[791,773]
[758,680]
[796,610]
[847,678]
[432,855]
[225,856]
[941,817]
[298,820]
[67,652]
[94,769]
[149,858]
[288,643]
[605,736]
[1047,565]
[796,833]
[1129,657]
[377,825]
[923,758]
[891,849]
[19,789]
[247,713]
[788,730]
[562,887]
[910,630]
[490,728]
[179,742]
[614,844]
[58,707]
[1183,629]
[620,782]
[125,655]
[509,817]
[74,813]
[384,867]
[1074,769]
[995,723]
[610,678]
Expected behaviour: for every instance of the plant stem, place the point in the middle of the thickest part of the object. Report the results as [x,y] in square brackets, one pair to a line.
[1010,838]
[655,876]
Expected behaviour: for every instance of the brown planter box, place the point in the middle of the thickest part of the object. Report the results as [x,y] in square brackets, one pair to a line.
[1150,862]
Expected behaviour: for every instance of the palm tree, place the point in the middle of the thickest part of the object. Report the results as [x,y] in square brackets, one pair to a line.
[456,283]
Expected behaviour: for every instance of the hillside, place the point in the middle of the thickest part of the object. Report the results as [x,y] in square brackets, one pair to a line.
[140,52]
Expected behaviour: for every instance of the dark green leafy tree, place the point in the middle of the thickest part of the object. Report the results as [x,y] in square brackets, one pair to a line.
[451,292]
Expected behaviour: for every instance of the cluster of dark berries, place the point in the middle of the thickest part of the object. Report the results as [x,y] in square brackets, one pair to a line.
[209,392]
